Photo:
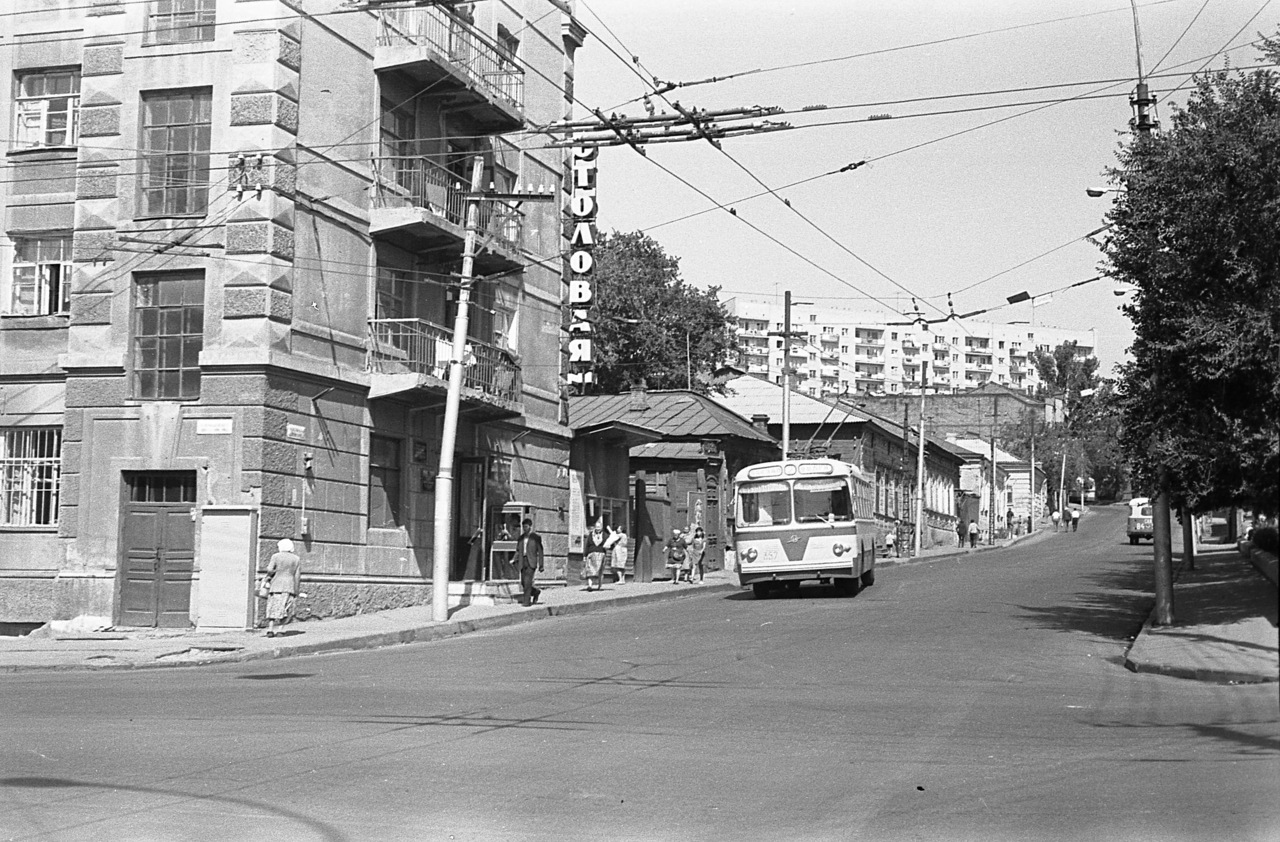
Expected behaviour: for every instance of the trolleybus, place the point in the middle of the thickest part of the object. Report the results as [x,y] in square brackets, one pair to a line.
[804,519]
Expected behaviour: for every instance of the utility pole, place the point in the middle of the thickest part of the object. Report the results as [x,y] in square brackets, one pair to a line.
[1161,526]
[924,364]
[443,544]
[787,370]
[1031,503]
[786,374]
[991,510]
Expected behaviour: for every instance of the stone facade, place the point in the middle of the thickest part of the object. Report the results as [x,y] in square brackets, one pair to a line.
[300,380]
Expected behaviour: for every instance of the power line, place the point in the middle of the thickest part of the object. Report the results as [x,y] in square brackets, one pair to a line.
[900,48]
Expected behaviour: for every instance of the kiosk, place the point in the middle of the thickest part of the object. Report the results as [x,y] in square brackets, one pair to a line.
[506,531]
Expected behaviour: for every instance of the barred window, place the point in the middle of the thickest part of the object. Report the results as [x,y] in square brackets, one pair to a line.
[168,335]
[180,21]
[48,108]
[41,282]
[174,180]
[30,476]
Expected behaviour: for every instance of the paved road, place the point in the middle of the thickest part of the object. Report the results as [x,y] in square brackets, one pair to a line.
[976,698]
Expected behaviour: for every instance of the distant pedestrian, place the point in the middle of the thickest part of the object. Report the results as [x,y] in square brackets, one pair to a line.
[528,561]
[973,534]
[1008,519]
[1055,517]
[697,551]
[890,542]
[617,545]
[284,573]
[593,553]
[1075,519]
[676,550]
[960,532]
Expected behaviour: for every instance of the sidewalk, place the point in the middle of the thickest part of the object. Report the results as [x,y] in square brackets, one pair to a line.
[152,648]
[1224,629]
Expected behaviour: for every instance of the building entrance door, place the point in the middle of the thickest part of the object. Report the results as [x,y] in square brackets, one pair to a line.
[470,545]
[157,549]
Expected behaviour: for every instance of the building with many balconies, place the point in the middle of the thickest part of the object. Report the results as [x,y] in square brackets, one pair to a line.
[847,352]
[232,243]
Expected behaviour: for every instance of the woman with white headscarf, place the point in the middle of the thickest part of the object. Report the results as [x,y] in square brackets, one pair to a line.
[284,571]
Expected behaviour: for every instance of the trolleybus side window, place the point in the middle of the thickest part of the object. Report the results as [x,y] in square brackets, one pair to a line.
[764,504]
[822,499]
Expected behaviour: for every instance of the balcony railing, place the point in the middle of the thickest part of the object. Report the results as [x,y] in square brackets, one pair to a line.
[424,348]
[413,181]
[496,73]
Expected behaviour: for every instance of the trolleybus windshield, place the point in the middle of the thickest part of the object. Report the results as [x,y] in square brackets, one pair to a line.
[764,504]
[823,499]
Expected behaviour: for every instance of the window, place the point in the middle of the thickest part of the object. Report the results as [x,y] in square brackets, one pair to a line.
[180,21]
[47,108]
[384,482]
[174,177]
[168,334]
[30,476]
[41,283]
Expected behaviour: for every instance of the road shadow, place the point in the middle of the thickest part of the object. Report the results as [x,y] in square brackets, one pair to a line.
[1113,604]
[1116,601]
[270,811]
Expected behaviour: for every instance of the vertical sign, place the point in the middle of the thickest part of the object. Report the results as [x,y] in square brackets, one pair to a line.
[582,240]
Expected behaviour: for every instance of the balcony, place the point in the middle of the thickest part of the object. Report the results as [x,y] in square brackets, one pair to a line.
[419,205]
[409,358]
[869,342]
[830,372]
[830,355]
[941,362]
[440,51]
[830,338]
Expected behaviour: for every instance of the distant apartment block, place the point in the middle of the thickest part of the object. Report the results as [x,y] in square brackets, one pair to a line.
[847,352]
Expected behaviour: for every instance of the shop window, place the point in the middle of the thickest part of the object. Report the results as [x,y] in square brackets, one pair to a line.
[180,21]
[168,335]
[41,281]
[47,107]
[30,476]
[384,482]
[174,176]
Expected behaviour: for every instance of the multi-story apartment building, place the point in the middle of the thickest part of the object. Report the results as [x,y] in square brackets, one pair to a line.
[233,240]
[845,351]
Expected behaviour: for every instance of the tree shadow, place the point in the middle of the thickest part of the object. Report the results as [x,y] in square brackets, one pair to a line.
[1113,605]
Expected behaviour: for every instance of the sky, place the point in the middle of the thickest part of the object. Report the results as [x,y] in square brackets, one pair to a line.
[981,203]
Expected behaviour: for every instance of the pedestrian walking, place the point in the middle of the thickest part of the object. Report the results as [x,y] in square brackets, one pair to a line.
[528,561]
[960,533]
[973,534]
[1075,519]
[675,551]
[1055,517]
[284,573]
[696,553]
[890,542]
[617,546]
[593,556]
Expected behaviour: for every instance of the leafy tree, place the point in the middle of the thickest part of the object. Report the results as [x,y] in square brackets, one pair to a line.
[650,325]
[1062,371]
[1089,439]
[1194,231]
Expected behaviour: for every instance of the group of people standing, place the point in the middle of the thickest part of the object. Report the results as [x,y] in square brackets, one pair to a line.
[603,548]
[684,554]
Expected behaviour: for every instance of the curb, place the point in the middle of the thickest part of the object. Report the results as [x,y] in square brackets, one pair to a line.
[377,640]
[957,552]
[1263,561]
[1206,674]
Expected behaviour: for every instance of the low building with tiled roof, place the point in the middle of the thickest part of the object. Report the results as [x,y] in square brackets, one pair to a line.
[679,479]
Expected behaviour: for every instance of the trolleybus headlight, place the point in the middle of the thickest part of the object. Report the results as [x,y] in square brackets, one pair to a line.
[751,554]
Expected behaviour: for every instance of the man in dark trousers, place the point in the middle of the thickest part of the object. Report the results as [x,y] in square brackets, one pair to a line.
[528,560]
